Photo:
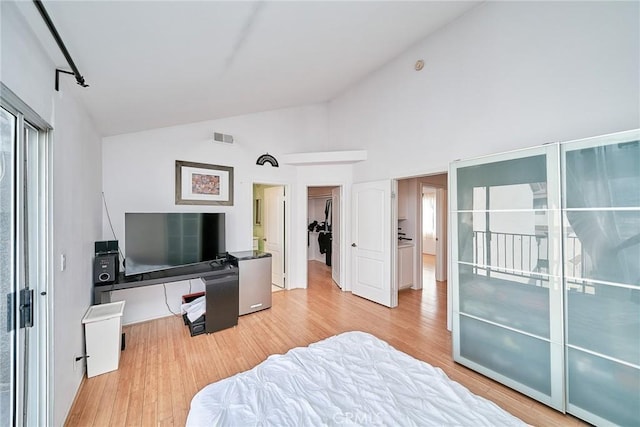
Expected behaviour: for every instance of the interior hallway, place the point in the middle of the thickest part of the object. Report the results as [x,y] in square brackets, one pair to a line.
[434,293]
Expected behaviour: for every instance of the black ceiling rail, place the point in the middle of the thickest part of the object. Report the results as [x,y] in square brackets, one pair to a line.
[63,48]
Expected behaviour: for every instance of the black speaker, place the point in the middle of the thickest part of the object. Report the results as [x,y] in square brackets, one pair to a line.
[105,269]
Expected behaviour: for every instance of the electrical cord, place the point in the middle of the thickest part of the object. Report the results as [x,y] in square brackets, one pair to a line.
[106,209]
[166,301]
[164,285]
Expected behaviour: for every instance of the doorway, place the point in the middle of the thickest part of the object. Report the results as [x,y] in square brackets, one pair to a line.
[432,228]
[434,232]
[269,228]
[429,212]
[422,234]
[324,230]
[434,235]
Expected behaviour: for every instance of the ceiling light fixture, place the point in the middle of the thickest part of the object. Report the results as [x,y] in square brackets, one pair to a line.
[419,64]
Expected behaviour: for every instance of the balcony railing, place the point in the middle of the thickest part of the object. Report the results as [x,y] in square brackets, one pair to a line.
[523,255]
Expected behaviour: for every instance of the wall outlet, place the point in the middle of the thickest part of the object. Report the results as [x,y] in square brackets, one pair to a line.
[78,362]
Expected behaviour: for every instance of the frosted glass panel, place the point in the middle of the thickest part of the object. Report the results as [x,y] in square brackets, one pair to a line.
[604,388]
[605,176]
[603,245]
[604,319]
[509,236]
[8,339]
[505,240]
[519,302]
[519,357]
[510,184]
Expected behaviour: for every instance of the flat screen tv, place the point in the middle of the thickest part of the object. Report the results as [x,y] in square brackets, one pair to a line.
[161,241]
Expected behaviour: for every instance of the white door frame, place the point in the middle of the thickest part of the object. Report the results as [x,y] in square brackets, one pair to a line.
[442,213]
[336,262]
[39,392]
[287,225]
[346,285]
[418,194]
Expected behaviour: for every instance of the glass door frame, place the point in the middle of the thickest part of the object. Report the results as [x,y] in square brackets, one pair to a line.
[32,264]
[568,147]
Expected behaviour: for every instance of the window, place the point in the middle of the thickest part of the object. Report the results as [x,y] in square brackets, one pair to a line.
[429,214]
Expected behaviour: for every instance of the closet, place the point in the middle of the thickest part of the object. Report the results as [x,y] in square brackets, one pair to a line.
[546,273]
[320,224]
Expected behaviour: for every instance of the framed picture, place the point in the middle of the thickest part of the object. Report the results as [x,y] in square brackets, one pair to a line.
[203,184]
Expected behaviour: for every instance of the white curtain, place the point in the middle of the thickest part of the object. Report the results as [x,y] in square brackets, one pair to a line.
[429,215]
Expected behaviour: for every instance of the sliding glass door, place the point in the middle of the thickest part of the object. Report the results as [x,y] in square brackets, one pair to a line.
[601,206]
[507,270]
[24,264]
[546,273]
[10,339]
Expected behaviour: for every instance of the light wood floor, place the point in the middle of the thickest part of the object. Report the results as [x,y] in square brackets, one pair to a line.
[163,367]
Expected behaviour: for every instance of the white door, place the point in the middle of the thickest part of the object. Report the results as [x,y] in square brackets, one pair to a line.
[335,233]
[372,243]
[441,234]
[274,232]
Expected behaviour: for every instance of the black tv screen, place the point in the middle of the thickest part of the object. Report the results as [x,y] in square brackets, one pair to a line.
[160,241]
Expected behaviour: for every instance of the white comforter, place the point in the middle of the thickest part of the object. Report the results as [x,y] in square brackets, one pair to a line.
[349,379]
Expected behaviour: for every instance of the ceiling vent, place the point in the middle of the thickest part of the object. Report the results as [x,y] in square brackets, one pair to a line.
[221,137]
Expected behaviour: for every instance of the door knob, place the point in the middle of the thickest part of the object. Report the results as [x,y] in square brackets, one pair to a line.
[353,245]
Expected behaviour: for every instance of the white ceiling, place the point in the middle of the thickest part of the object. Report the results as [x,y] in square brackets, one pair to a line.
[153,64]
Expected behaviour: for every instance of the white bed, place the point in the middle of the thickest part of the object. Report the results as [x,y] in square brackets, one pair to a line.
[351,378]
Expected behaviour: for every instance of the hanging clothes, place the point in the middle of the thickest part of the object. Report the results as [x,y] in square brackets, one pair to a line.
[325,237]
[324,241]
[327,215]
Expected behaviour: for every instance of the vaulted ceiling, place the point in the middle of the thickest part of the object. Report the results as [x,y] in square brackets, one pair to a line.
[153,64]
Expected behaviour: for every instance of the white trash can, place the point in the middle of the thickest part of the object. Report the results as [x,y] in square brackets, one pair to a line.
[103,332]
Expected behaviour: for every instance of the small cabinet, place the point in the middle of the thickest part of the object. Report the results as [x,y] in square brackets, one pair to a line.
[405,266]
[221,301]
[254,269]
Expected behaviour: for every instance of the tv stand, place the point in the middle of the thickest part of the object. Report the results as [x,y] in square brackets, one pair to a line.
[208,272]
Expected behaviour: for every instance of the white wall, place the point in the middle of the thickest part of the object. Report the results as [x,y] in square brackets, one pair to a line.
[138,176]
[506,75]
[76,226]
[25,66]
[76,182]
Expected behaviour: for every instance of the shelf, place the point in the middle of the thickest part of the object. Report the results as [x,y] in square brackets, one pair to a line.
[325,157]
